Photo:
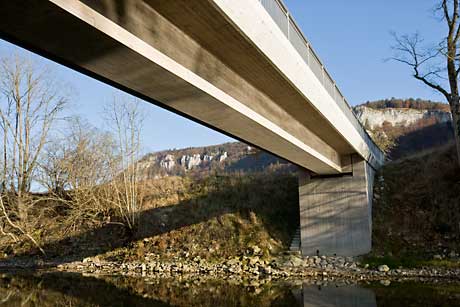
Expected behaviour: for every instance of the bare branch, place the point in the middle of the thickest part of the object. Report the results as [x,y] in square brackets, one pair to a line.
[446,12]
[433,85]
[410,53]
[10,222]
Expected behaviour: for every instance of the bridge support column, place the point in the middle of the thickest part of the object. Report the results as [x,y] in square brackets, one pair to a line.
[336,211]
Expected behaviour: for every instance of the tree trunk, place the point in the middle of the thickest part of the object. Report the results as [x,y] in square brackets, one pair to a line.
[455,109]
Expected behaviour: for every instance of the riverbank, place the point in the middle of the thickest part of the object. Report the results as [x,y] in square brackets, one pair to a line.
[286,267]
[242,225]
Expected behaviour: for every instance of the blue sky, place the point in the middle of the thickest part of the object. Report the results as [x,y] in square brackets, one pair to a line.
[351,37]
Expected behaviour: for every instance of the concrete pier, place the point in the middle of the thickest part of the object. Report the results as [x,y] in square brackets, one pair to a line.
[336,211]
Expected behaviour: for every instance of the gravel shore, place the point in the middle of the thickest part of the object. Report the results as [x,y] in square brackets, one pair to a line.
[244,267]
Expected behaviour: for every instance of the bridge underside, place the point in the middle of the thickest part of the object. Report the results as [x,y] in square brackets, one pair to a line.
[186,56]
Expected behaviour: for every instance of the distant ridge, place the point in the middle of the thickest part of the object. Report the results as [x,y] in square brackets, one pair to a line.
[200,161]
[405,126]
[407,103]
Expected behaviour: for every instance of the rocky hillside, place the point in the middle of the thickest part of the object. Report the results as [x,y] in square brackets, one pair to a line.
[403,127]
[228,157]
[403,117]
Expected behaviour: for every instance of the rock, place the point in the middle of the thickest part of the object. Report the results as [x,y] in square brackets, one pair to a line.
[223,156]
[190,161]
[253,261]
[383,268]
[233,261]
[296,261]
[452,254]
[437,257]
[208,158]
[256,250]
[197,259]
[168,162]
[375,118]
[386,283]
[267,270]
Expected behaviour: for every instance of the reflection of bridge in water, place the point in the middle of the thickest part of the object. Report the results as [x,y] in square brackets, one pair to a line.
[242,67]
[70,289]
[335,296]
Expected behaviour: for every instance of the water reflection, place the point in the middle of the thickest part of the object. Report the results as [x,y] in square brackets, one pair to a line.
[346,296]
[58,289]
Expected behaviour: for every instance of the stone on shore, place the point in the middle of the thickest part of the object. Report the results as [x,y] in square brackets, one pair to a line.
[383,268]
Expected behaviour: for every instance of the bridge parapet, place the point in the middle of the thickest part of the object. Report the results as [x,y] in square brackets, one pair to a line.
[282,17]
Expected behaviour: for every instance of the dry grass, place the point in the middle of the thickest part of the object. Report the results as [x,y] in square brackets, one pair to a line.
[213,217]
[416,209]
[216,217]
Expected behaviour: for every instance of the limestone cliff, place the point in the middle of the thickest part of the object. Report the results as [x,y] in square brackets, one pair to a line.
[402,127]
[228,157]
[374,118]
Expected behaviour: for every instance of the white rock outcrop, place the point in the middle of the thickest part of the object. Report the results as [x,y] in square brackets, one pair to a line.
[168,162]
[223,156]
[190,162]
[172,164]
[208,158]
[403,117]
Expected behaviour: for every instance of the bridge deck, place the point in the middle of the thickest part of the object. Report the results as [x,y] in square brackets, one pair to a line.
[213,61]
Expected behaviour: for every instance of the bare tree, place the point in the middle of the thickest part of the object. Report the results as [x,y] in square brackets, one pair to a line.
[30,102]
[76,169]
[78,159]
[438,66]
[126,120]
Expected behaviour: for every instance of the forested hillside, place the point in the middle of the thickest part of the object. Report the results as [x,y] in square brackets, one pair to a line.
[418,104]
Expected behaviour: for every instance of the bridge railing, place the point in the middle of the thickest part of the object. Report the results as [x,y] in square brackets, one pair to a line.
[279,13]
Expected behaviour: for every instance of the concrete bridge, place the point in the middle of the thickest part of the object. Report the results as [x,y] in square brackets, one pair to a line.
[242,67]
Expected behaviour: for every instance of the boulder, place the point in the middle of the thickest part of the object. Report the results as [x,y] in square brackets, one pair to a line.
[383,268]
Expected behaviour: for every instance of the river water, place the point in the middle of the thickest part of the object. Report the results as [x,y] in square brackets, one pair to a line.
[69,289]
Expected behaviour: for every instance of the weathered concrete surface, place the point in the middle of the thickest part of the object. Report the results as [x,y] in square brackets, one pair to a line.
[335,212]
